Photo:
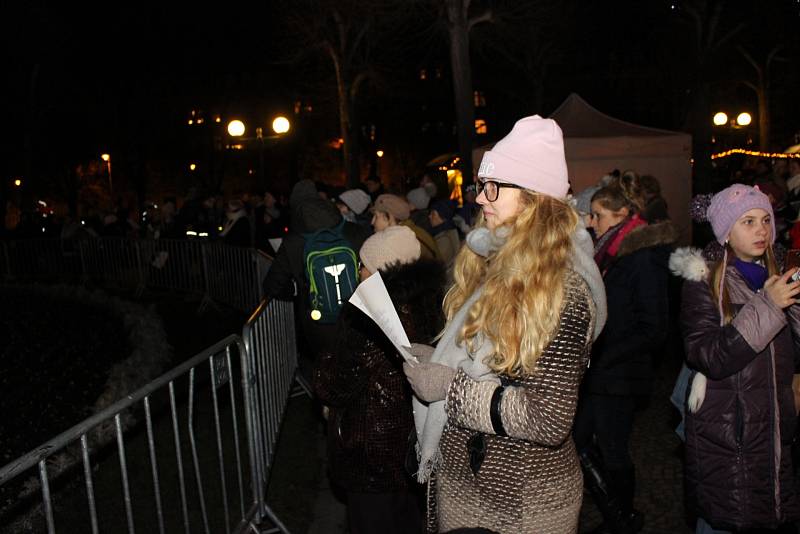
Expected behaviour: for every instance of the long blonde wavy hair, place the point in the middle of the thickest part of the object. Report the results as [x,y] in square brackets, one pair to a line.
[519,309]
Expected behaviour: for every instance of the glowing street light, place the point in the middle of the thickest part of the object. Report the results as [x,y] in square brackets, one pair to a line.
[236,128]
[744,119]
[379,153]
[192,166]
[281,125]
[107,159]
[18,182]
[721,119]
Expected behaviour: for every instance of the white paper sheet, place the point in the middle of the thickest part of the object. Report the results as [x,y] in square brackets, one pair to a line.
[372,298]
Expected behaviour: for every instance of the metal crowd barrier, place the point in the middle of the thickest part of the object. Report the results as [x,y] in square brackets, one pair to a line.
[192,468]
[234,275]
[218,272]
[269,336]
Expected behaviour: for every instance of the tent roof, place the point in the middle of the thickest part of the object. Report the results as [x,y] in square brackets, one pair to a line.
[578,119]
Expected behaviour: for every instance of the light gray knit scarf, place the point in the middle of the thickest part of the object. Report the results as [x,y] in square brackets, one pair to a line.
[430,419]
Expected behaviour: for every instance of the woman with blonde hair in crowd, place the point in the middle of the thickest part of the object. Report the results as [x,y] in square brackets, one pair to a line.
[496,397]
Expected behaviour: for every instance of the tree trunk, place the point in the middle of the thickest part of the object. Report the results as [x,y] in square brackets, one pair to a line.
[699,122]
[462,83]
[763,117]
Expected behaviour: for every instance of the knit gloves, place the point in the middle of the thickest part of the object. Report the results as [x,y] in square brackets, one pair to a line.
[428,380]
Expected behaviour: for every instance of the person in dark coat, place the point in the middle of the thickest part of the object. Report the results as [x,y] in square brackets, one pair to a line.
[361,381]
[236,231]
[309,213]
[740,325]
[632,257]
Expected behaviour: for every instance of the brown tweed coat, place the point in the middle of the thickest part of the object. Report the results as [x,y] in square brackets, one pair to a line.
[531,481]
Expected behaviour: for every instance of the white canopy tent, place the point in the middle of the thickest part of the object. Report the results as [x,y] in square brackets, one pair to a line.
[596,144]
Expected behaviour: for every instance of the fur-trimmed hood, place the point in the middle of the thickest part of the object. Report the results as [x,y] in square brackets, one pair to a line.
[689,263]
[651,235]
[406,282]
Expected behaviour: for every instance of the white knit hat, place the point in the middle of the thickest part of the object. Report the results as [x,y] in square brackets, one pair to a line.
[355,199]
[531,156]
[395,244]
[418,198]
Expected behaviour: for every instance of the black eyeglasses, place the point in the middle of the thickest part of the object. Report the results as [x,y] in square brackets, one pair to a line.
[491,189]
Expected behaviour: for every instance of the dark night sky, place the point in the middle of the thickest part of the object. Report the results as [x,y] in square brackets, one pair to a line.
[104,73]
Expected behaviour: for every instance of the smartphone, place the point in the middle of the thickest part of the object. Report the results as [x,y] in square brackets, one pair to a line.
[792,261]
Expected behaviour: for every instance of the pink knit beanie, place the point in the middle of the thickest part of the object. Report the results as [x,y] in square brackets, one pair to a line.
[531,156]
[395,244]
[731,203]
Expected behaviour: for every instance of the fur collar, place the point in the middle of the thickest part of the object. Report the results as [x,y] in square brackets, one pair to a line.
[689,263]
[407,282]
[651,235]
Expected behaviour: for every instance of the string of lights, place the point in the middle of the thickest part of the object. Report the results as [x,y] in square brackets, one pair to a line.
[756,153]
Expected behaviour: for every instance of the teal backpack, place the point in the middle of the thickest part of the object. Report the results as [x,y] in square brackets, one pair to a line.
[331,267]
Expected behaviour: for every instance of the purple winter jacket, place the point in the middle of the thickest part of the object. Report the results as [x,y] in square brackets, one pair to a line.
[738,444]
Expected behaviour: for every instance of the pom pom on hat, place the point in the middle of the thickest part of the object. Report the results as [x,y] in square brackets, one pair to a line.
[731,203]
[418,198]
[396,206]
[530,156]
[355,199]
[396,244]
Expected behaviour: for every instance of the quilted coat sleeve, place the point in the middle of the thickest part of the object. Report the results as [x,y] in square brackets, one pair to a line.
[721,351]
[541,408]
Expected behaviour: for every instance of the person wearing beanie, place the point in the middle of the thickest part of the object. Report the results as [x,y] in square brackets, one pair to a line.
[354,205]
[287,278]
[583,203]
[361,382]
[495,399]
[632,256]
[356,200]
[392,210]
[418,198]
[740,323]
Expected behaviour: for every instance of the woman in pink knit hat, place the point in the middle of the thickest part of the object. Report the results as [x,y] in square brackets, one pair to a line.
[495,399]
[741,326]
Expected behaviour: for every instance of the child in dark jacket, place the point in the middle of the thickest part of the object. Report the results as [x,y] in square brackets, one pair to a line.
[369,401]
[740,326]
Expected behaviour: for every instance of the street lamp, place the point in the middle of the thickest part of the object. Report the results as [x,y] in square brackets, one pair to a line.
[744,119]
[281,125]
[107,159]
[236,128]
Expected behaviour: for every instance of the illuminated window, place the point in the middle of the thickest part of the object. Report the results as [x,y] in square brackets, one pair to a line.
[480,126]
[478,99]
[423,74]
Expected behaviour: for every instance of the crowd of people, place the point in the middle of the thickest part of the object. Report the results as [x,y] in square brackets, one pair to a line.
[536,316]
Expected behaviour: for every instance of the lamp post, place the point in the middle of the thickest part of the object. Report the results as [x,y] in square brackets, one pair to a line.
[734,130]
[107,159]
[280,125]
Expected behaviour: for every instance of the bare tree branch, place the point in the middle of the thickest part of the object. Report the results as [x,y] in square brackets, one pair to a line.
[486,16]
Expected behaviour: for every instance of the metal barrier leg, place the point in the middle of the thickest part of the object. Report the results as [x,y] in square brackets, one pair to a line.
[301,386]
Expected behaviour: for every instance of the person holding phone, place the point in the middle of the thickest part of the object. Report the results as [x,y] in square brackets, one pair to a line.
[496,399]
[740,326]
